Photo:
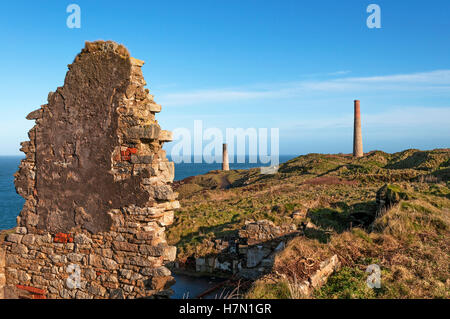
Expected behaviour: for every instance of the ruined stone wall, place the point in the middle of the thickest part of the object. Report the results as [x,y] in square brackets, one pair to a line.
[2,272]
[251,254]
[97,187]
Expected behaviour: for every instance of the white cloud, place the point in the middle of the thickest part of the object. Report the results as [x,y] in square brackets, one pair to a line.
[339,73]
[219,95]
[434,81]
[398,118]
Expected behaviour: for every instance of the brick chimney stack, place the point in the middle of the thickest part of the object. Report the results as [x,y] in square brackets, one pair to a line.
[225,163]
[357,135]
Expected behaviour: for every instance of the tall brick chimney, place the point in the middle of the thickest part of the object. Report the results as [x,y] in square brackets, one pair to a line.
[357,135]
[225,163]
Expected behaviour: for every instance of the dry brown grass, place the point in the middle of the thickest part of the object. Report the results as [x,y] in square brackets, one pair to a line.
[300,258]
[411,244]
[329,180]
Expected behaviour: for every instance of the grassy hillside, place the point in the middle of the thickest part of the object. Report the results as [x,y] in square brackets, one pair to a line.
[335,196]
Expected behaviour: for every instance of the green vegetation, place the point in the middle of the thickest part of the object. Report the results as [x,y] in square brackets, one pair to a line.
[270,290]
[348,283]
[335,195]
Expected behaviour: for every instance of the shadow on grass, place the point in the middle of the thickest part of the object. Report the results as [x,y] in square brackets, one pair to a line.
[320,235]
[220,231]
[343,217]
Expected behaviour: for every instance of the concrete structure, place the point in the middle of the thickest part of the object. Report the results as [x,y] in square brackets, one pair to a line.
[225,162]
[357,135]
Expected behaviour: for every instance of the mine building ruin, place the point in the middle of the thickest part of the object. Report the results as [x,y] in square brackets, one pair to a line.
[97,188]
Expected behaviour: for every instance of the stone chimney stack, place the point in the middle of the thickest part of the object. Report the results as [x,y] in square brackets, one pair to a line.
[225,163]
[357,135]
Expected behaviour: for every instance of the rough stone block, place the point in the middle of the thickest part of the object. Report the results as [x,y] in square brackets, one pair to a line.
[327,267]
[164,192]
[161,283]
[136,62]
[28,239]
[165,136]
[19,249]
[166,219]
[14,238]
[21,230]
[153,107]
[147,132]
[36,114]
[141,159]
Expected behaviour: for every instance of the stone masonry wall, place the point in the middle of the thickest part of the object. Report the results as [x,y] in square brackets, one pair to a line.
[97,186]
[2,272]
[251,254]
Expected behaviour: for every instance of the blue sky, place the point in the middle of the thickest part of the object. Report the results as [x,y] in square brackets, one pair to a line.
[295,65]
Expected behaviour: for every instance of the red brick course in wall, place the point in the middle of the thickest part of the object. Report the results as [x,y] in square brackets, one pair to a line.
[36,293]
[63,238]
[126,155]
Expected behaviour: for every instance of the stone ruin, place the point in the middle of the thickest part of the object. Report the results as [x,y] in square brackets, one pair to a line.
[97,186]
[249,255]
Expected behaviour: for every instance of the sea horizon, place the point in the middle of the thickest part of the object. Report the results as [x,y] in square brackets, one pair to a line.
[11,203]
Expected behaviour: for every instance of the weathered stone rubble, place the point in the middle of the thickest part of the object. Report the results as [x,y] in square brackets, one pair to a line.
[251,254]
[259,242]
[388,196]
[320,277]
[97,187]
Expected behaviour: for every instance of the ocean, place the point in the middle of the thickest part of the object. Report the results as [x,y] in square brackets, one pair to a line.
[11,203]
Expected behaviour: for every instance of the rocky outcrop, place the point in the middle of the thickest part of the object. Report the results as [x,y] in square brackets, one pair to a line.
[387,196]
[97,187]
